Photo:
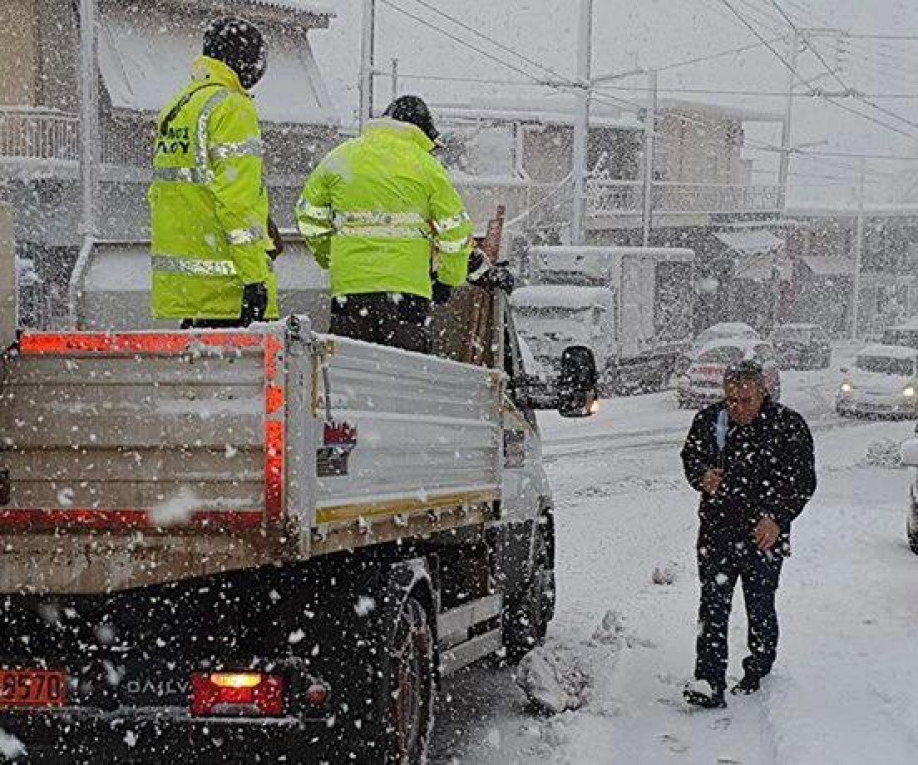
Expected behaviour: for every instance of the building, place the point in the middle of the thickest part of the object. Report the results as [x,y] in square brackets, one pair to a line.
[703,197]
[822,244]
[145,49]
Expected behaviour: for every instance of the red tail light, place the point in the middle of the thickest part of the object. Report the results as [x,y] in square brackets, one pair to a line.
[243,694]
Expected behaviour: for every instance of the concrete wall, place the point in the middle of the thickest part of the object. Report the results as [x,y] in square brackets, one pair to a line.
[18,53]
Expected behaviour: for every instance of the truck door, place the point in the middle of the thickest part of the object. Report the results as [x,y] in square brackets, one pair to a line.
[524,482]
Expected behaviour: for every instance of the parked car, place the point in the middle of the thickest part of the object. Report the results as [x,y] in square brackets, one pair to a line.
[727,330]
[909,453]
[902,334]
[801,346]
[703,381]
[883,382]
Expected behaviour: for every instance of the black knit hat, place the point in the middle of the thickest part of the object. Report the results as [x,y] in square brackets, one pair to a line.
[413,110]
[240,45]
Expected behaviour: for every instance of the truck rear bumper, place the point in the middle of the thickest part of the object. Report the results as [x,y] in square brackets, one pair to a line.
[163,736]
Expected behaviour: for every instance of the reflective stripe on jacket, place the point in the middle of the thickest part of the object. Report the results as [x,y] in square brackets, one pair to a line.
[378,208]
[208,205]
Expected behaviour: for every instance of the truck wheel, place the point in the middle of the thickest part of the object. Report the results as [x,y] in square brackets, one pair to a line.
[527,614]
[408,679]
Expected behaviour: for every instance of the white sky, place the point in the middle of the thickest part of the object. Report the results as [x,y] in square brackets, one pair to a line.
[657,33]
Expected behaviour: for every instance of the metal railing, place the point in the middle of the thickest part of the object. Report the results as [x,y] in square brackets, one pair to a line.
[610,198]
[30,133]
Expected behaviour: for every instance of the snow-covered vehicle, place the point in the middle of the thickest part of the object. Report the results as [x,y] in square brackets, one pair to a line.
[909,453]
[801,346]
[266,543]
[883,382]
[632,306]
[703,381]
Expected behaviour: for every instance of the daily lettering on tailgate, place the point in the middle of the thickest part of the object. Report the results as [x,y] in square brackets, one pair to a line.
[31,688]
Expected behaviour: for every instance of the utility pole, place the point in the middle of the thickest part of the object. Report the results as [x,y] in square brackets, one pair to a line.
[582,120]
[367,61]
[89,115]
[784,166]
[650,126]
[394,79]
[858,253]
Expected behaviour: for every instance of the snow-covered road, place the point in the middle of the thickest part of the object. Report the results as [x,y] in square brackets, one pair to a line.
[845,690]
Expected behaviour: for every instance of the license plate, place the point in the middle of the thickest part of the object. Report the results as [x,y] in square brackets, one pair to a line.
[31,688]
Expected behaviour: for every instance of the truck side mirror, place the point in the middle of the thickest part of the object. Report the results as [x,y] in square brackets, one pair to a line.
[577,394]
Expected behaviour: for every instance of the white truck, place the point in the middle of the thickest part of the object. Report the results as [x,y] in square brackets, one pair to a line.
[632,306]
[268,544]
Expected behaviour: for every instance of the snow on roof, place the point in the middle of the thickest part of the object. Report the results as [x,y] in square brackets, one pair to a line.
[745,344]
[911,323]
[304,6]
[871,210]
[892,351]
[551,110]
[561,297]
[715,111]
[756,241]
[827,265]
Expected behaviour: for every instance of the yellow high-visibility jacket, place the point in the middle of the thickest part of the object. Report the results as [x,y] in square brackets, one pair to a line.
[379,208]
[208,205]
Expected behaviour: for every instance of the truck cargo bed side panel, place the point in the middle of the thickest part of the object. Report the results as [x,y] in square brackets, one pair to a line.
[428,432]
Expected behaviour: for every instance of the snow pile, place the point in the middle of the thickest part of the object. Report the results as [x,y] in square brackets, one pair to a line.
[555,678]
[883,453]
[10,746]
[559,677]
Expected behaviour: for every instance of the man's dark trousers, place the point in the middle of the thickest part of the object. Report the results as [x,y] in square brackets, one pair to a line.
[384,318]
[721,561]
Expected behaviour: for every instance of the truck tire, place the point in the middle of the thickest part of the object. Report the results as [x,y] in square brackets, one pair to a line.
[527,613]
[408,684]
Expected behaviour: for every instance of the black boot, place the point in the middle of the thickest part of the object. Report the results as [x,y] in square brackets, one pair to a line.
[701,693]
[750,683]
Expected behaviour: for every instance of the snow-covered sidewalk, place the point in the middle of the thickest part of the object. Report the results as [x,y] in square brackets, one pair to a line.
[845,690]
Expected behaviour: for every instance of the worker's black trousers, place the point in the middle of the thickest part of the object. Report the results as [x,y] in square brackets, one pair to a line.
[384,318]
[721,561]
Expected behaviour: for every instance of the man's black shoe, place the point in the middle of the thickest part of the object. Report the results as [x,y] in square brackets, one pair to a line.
[701,693]
[747,686]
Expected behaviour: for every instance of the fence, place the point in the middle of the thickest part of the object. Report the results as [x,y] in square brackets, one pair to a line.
[27,133]
[610,198]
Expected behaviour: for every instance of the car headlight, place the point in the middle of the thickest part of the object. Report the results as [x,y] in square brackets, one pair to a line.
[847,387]
[909,391]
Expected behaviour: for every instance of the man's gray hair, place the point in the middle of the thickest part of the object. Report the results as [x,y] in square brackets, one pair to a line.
[747,371]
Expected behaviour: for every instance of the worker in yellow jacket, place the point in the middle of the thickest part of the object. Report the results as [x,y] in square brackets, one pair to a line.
[209,208]
[380,213]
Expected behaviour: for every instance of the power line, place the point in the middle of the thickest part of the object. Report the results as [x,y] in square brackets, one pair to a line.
[808,83]
[714,56]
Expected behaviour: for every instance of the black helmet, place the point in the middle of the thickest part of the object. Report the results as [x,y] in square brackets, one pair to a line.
[413,110]
[240,45]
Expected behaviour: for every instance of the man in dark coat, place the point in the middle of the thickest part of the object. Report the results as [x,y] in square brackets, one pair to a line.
[752,460]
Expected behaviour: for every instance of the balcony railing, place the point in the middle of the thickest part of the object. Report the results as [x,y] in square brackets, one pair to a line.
[613,198]
[38,134]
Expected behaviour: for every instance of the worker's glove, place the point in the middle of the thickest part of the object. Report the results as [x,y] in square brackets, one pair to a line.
[441,293]
[274,235]
[254,303]
[499,277]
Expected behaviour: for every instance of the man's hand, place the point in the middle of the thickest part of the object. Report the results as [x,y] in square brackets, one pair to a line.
[711,480]
[766,534]
[254,303]
[274,235]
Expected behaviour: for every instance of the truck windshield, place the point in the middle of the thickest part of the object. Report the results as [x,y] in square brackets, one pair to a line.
[886,365]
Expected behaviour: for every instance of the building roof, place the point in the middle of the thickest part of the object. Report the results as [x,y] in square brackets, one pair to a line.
[549,110]
[892,351]
[753,241]
[852,211]
[738,113]
[822,265]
